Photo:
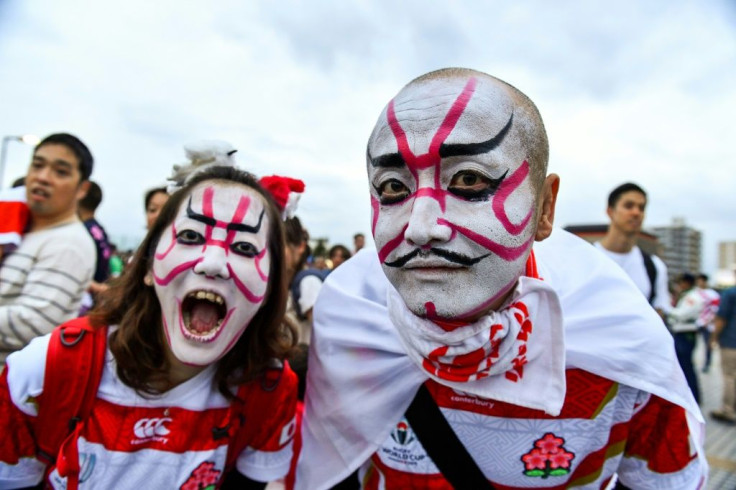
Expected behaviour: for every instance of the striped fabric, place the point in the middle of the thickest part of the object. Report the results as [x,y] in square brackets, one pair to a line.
[42,282]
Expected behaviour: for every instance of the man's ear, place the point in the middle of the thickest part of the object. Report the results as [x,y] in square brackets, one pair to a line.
[548,200]
[82,189]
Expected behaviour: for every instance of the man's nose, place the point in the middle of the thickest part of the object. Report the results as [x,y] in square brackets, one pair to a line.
[42,174]
[213,263]
[424,227]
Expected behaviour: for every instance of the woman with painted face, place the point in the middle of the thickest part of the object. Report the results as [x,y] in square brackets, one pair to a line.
[184,360]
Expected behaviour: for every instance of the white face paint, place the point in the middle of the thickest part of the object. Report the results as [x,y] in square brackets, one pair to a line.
[211,270]
[453,201]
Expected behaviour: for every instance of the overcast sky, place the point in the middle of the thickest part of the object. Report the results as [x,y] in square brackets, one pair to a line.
[629,90]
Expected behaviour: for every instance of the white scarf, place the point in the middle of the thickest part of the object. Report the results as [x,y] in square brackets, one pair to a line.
[361,378]
[515,355]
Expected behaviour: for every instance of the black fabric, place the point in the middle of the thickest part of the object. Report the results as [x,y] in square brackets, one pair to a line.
[652,273]
[238,481]
[442,444]
[350,483]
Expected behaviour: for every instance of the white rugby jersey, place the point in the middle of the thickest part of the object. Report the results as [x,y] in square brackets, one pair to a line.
[131,441]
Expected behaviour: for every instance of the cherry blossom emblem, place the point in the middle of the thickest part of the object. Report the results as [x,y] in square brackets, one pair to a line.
[548,457]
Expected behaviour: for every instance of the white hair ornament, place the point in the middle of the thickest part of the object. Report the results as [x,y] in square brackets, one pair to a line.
[201,155]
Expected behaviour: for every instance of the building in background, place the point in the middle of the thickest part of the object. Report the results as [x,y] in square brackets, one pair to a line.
[726,275]
[682,247]
[726,255]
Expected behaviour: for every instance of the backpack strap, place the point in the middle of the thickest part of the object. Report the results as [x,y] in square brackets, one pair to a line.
[240,433]
[74,363]
[652,273]
[442,444]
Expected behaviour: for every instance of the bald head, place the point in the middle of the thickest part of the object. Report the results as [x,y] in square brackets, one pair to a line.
[493,103]
[457,164]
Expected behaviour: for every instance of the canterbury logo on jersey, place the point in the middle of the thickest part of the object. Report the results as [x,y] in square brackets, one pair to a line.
[153,427]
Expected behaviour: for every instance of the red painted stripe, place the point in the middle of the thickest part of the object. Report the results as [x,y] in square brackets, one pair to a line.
[506,253]
[392,245]
[508,186]
[176,271]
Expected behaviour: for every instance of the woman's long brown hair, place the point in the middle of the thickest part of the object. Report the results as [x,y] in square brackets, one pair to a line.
[138,344]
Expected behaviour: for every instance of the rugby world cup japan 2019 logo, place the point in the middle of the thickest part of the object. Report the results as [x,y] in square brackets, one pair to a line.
[402,434]
[548,457]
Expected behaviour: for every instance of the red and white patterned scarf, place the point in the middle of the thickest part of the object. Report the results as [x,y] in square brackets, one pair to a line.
[515,354]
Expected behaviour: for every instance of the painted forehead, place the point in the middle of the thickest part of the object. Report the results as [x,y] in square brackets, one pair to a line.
[446,114]
[235,207]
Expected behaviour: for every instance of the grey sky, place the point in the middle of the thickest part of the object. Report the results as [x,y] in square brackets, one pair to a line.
[630,90]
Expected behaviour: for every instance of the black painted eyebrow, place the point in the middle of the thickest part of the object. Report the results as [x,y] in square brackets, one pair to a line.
[390,160]
[248,228]
[199,217]
[460,149]
[231,226]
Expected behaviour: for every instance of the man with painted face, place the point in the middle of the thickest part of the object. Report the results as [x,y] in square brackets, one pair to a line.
[478,348]
[194,390]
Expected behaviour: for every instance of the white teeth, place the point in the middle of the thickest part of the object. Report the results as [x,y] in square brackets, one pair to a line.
[209,296]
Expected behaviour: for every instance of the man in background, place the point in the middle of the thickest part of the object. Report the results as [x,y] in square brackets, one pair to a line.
[42,281]
[626,209]
[725,337]
[706,327]
[683,323]
[358,242]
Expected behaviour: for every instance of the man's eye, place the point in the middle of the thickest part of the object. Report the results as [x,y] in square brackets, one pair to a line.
[189,237]
[474,186]
[392,191]
[244,248]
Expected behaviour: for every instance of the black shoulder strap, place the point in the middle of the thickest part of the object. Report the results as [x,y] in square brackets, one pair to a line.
[442,444]
[652,273]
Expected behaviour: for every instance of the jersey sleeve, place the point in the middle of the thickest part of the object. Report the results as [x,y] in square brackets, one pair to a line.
[663,449]
[268,455]
[20,384]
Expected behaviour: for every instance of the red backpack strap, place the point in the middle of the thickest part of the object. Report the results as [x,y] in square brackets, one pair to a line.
[254,404]
[74,363]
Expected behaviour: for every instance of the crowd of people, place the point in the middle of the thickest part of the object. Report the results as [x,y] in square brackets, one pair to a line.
[477,346]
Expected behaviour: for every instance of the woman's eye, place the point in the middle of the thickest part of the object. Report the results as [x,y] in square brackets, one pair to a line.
[244,248]
[474,186]
[392,191]
[189,237]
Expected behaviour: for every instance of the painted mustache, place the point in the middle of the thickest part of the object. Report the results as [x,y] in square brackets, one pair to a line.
[453,257]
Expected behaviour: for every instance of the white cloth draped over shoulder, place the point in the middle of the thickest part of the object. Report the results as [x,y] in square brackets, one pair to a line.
[361,380]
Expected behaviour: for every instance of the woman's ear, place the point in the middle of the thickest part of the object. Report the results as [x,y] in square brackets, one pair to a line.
[148,279]
[547,202]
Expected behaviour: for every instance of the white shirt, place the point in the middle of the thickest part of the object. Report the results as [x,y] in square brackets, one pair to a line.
[632,263]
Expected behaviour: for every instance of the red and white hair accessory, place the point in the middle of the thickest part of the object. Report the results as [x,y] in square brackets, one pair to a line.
[285,191]
[201,155]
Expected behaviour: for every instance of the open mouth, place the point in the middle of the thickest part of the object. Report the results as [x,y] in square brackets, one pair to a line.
[40,193]
[203,313]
